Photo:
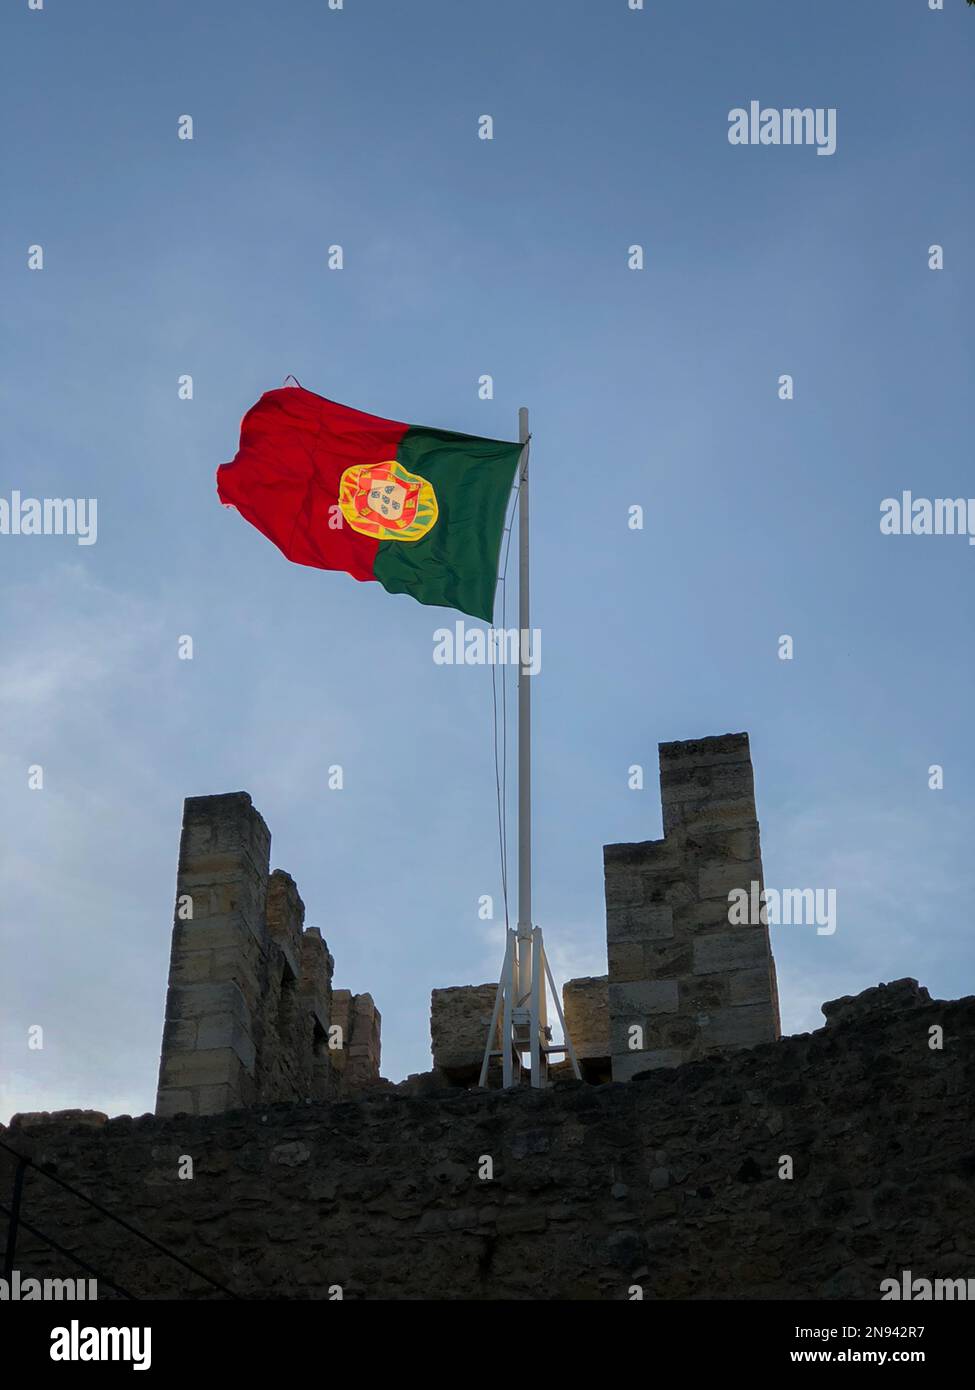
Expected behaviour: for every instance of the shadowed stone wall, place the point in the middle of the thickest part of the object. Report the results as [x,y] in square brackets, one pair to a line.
[671,1181]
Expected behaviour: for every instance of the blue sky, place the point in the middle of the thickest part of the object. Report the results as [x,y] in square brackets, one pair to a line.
[660,388]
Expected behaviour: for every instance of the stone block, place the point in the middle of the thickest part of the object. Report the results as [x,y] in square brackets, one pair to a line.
[585,1003]
[227,887]
[691,819]
[738,948]
[201,1001]
[749,986]
[680,1030]
[621,1031]
[745,1025]
[644,923]
[460,1020]
[342,1020]
[689,921]
[214,825]
[626,962]
[718,750]
[642,997]
[217,1066]
[735,843]
[315,978]
[285,918]
[625,886]
[719,879]
[732,783]
[627,1065]
[226,932]
[223,1030]
[586,1008]
[170,1101]
[191,968]
[230,966]
[701,993]
[179,1035]
[365,1044]
[215,1100]
[668,960]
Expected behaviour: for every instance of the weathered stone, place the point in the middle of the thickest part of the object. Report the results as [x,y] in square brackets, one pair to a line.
[730,783]
[668,962]
[285,917]
[248,1012]
[460,1021]
[624,1030]
[530,1142]
[62,1119]
[527,1221]
[290,1155]
[585,1003]
[898,995]
[717,880]
[223,1030]
[746,1025]
[748,986]
[674,1183]
[211,1099]
[201,1067]
[669,898]
[626,1065]
[738,948]
[702,993]
[637,999]
[365,1043]
[646,922]
[625,963]
[716,751]
[174,1102]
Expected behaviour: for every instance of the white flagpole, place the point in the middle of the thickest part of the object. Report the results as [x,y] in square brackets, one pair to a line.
[520,1002]
[524,963]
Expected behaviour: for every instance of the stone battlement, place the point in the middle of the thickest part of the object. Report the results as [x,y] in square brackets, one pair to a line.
[812,1167]
[251,1016]
[682,979]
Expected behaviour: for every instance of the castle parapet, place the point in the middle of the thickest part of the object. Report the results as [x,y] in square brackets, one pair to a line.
[683,981]
[250,1001]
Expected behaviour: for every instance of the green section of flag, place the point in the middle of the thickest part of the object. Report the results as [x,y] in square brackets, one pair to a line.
[455,564]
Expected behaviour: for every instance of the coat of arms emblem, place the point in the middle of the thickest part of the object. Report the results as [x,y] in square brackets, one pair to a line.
[387,502]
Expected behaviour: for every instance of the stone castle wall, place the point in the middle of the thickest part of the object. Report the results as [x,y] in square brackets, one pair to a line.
[249,1009]
[585,1004]
[671,1181]
[460,1020]
[683,982]
[731,1163]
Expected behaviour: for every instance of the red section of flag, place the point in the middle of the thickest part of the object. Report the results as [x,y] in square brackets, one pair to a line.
[294,448]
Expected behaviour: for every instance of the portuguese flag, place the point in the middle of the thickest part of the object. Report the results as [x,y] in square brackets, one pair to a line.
[421,510]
